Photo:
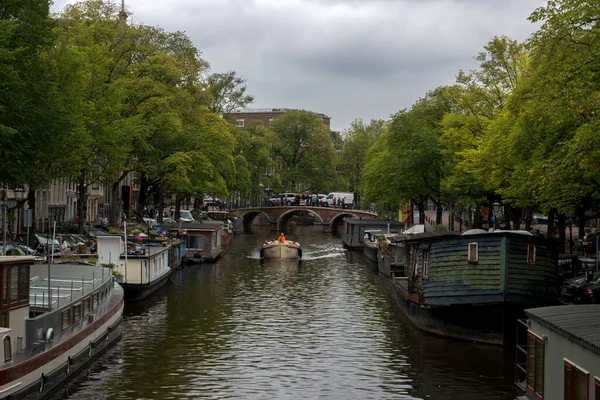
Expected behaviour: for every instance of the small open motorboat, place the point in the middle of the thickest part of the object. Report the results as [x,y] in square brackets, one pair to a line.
[275,249]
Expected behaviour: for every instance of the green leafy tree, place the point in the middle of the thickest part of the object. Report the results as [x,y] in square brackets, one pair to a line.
[228,91]
[356,142]
[303,144]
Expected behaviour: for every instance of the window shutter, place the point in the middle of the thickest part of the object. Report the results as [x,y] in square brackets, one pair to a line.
[539,367]
[581,385]
[530,361]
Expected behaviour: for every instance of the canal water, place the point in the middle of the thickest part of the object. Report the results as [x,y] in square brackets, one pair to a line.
[325,328]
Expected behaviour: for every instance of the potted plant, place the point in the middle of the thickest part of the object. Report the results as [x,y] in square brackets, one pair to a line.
[153,233]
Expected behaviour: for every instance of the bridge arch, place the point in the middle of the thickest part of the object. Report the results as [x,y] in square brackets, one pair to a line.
[249,216]
[287,215]
[336,220]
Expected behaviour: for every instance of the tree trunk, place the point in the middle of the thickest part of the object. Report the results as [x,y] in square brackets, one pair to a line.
[81,202]
[550,231]
[31,229]
[580,212]
[528,220]
[562,219]
[421,208]
[161,203]
[114,205]
[438,213]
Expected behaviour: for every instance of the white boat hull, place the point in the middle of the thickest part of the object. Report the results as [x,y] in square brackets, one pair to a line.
[287,250]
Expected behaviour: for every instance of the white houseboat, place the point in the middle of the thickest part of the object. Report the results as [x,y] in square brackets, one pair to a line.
[558,356]
[140,274]
[55,320]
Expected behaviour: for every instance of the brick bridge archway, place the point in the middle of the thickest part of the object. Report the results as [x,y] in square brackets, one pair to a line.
[278,217]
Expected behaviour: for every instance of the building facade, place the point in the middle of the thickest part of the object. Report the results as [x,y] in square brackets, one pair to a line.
[244,118]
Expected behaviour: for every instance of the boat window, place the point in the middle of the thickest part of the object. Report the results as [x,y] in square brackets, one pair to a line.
[95,301]
[361,234]
[576,380]
[597,385]
[24,284]
[194,242]
[530,254]
[5,286]
[7,349]
[86,306]
[425,263]
[473,252]
[535,364]
[66,319]
[76,312]
[14,284]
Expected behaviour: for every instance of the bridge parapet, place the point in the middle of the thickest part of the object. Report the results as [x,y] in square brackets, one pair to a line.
[278,216]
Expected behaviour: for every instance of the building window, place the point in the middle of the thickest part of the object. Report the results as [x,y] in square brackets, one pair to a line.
[86,306]
[76,312]
[425,263]
[535,365]
[530,254]
[239,123]
[4,319]
[66,319]
[7,349]
[473,252]
[576,382]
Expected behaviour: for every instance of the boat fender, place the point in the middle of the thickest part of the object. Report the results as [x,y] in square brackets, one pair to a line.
[300,253]
[262,253]
[91,349]
[42,381]
[69,362]
[49,335]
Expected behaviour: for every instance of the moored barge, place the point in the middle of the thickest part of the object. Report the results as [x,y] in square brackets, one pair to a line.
[476,285]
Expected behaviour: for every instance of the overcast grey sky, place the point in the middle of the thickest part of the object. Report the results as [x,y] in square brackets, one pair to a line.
[345,58]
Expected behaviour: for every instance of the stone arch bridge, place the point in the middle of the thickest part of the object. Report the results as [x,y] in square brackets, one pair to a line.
[279,216]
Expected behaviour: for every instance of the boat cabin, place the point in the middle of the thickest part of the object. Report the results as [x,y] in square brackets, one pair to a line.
[38,311]
[203,240]
[353,231]
[558,353]
[139,272]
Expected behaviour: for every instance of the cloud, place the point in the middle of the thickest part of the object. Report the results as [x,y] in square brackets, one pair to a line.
[345,58]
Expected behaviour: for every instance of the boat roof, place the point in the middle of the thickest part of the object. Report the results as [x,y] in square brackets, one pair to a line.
[205,225]
[579,323]
[373,222]
[14,259]
[76,277]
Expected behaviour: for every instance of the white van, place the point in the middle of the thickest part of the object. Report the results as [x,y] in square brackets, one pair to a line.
[347,196]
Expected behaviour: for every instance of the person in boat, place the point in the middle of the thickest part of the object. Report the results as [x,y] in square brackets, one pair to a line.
[281,238]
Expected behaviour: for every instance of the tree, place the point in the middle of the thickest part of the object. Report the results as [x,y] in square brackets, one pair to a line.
[37,124]
[304,146]
[356,142]
[228,92]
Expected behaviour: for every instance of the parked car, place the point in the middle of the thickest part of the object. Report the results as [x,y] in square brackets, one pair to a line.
[580,290]
[281,199]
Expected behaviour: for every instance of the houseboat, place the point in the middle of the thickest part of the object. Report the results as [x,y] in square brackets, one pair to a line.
[474,286]
[203,240]
[55,320]
[353,231]
[370,242]
[140,272]
[390,254]
[558,354]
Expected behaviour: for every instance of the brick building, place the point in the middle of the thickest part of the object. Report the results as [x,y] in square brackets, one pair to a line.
[244,118]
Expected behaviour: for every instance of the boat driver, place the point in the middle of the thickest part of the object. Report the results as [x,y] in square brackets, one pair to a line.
[281,238]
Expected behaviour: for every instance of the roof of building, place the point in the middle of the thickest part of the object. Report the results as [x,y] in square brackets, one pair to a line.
[580,323]
[270,110]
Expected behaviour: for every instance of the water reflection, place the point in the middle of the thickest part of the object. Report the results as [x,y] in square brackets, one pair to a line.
[322,328]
